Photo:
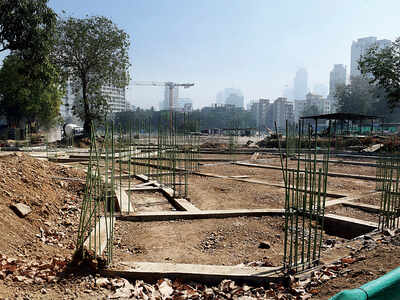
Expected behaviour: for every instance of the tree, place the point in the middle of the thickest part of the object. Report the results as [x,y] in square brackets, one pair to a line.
[93,52]
[27,98]
[356,97]
[382,66]
[362,97]
[310,110]
[27,26]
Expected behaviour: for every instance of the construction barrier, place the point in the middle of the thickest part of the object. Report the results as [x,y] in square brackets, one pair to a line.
[386,287]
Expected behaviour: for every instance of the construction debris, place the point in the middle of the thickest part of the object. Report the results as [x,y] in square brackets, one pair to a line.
[21,209]
[372,148]
[255,156]
[37,271]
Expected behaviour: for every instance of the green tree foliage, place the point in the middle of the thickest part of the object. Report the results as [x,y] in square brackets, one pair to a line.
[382,66]
[27,26]
[364,98]
[93,52]
[23,98]
[205,118]
[357,97]
[310,110]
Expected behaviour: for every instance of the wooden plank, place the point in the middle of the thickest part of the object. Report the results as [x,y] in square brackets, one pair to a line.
[191,272]
[97,240]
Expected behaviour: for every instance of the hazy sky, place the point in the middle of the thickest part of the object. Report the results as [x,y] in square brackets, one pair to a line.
[253,45]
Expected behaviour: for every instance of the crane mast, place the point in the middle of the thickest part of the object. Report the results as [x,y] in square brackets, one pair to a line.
[171,86]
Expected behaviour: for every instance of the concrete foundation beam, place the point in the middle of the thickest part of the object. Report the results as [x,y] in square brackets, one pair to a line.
[347,227]
[201,214]
[332,174]
[151,272]
[97,240]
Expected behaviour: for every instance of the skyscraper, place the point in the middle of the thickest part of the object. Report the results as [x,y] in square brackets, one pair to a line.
[360,47]
[115,97]
[235,99]
[230,96]
[175,95]
[300,84]
[337,77]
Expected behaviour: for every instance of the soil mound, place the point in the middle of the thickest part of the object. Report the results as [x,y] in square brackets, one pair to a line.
[53,194]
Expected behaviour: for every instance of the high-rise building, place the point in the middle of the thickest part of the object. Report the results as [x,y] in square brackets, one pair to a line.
[116,99]
[164,105]
[299,107]
[260,109]
[337,77]
[230,96]
[282,110]
[322,104]
[360,47]
[66,105]
[235,99]
[300,84]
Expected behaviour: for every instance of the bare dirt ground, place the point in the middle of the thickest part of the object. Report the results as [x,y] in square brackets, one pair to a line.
[213,193]
[230,241]
[274,160]
[378,259]
[340,185]
[373,199]
[222,242]
[35,251]
[149,201]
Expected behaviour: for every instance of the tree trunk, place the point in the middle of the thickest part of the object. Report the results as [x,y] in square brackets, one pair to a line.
[87,125]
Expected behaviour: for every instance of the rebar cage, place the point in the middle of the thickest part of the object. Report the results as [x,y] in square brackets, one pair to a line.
[166,155]
[305,195]
[387,182]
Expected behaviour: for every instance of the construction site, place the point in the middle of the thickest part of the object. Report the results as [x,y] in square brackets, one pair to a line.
[163,213]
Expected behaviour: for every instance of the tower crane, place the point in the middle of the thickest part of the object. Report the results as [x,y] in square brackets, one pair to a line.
[171,86]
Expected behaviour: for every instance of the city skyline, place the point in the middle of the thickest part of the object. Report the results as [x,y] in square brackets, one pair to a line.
[253,46]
